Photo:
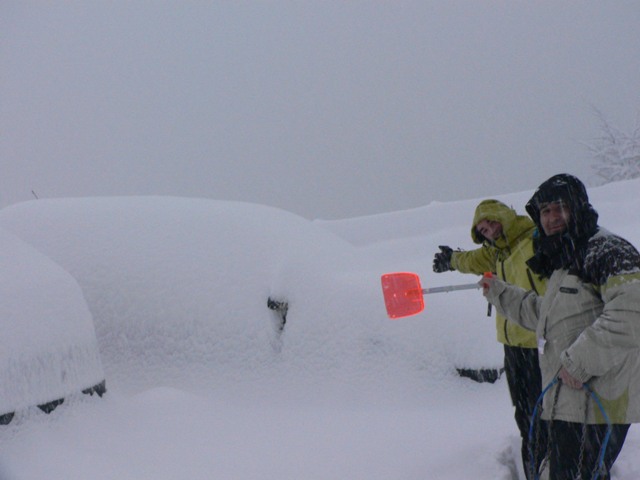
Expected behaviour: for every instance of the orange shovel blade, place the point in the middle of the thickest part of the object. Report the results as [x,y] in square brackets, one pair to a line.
[402,294]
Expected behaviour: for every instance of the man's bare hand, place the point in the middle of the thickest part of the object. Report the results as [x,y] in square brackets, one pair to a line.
[569,380]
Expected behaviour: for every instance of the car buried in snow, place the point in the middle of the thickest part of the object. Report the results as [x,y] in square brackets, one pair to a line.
[188,291]
[48,347]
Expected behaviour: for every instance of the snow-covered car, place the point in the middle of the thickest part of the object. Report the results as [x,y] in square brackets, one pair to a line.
[216,293]
[182,287]
[48,346]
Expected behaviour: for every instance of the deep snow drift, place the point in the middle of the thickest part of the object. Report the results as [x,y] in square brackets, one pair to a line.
[204,384]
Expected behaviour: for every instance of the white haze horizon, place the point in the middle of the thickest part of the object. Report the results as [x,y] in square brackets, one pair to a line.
[327,109]
[202,382]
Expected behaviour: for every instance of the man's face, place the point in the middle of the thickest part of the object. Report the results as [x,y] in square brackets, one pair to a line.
[554,217]
[489,229]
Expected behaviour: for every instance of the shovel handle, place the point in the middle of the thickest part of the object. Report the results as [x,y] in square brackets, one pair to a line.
[450,288]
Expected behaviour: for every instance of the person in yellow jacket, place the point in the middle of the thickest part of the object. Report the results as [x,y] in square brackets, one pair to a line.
[506,240]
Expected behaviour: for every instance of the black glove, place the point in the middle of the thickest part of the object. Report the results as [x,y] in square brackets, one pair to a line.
[442,259]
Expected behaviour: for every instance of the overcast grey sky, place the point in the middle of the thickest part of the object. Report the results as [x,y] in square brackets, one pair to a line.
[329,109]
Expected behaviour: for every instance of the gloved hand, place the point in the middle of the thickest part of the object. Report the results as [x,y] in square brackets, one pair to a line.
[442,259]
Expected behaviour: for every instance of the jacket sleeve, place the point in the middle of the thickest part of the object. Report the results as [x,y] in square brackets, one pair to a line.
[476,261]
[517,304]
[614,335]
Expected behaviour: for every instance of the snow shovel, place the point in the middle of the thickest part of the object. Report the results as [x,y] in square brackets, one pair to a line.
[403,293]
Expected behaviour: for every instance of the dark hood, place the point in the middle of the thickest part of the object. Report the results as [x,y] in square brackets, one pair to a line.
[562,250]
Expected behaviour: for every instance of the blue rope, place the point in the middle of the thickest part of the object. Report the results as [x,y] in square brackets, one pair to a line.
[607,435]
[534,415]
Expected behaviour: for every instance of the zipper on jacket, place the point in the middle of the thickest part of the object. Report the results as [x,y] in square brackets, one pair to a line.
[506,332]
[531,282]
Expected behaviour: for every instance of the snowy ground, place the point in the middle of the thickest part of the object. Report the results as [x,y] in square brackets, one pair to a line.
[203,385]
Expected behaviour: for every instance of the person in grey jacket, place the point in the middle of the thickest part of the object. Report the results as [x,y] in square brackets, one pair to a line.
[587,326]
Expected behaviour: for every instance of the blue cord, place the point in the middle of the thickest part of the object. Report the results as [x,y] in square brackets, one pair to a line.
[603,448]
[607,436]
[532,463]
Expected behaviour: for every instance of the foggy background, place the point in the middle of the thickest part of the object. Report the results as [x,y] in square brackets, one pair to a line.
[328,109]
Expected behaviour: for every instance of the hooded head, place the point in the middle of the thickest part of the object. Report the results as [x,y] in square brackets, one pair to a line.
[495,211]
[569,190]
[564,249]
[492,211]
